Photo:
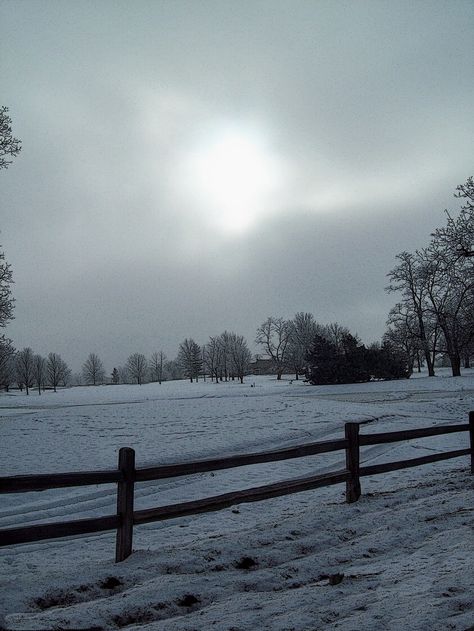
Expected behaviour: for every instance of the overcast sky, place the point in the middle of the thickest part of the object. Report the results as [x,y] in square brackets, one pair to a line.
[190,167]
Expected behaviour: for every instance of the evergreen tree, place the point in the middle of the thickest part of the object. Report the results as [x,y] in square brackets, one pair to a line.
[349,361]
[322,361]
[115,376]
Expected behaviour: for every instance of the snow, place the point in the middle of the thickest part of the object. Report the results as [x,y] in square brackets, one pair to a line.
[399,558]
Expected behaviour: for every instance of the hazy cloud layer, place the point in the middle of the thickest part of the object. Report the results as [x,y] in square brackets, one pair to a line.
[194,166]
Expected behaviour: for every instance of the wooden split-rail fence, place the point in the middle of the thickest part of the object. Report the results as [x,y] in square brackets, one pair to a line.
[126,475]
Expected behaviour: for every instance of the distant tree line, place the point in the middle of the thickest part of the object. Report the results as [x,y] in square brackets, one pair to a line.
[225,357]
[27,370]
[328,353]
[300,346]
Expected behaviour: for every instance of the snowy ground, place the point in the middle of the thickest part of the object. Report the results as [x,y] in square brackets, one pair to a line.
[400,558]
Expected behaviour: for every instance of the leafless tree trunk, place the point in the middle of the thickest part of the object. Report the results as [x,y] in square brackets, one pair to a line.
[408,278]
[450,286]
[213,358]
[93,370]
[225,341]
[39,371]
[190,359]
[404,332]
[157,361]
[274,336]
[240,356]
[304,328]
[25,368]
[7,362]
[56,370]
[467,359]
[137,366]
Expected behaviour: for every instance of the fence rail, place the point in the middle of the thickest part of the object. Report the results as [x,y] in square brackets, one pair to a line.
[23,483]
[200,466]
[127,475]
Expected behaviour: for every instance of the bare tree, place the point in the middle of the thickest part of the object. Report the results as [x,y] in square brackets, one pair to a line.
[66,375]
[399,335]
[39,371]
[190,359]
[404,332]
[213,358]
[240,356]
[437,287]
[409,277]
[7,363]
[274,336]
[227,356]
[226,341]
[450,286]
[335,333]
[76,379]
[137,366]
[93,370]
[204,362]
[157,362]
[25,368]
[123,374]
[468,354]
[173,370]
[303,329]
[9,146]
[6,299]
[57,371]
[458,234]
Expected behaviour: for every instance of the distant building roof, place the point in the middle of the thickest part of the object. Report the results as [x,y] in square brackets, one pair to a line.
[262,366]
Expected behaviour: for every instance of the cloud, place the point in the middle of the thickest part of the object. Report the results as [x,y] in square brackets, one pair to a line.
[354,125]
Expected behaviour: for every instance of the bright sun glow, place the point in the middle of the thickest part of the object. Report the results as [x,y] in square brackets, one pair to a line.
[234,177]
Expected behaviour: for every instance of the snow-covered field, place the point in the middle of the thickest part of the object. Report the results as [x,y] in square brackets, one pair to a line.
[400,558]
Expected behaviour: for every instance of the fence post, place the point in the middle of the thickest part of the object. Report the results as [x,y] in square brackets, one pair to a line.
[126,464]
[471,436]
[351,431]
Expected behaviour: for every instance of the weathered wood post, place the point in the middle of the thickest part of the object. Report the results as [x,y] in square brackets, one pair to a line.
[351,431]
[471,437]
[125,489]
